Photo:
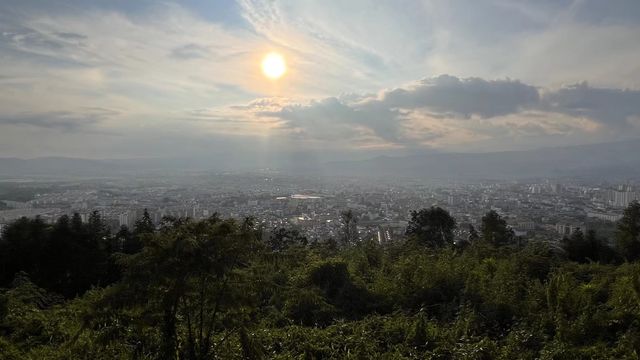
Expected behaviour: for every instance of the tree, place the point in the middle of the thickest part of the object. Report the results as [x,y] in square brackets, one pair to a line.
[123,239]
[97,228]
[282,238]
[57,257]
[67,258]
[87,256]
[473,234]
[598,248]
[432,227]
[628,232]
[349,228]
[189,276]
[21,247]
[463,243]
[76,224]
[575,246]
[144,225]
[495,230]
[142,229]
[586,248]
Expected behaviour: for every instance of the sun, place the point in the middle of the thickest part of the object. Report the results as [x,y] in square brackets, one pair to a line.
[274,66]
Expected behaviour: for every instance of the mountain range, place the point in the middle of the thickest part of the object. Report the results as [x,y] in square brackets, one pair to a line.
[603,160]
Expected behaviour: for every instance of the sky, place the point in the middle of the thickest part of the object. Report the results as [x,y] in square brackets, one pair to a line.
[135,79]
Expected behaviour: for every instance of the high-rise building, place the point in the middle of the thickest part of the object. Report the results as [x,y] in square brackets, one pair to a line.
[623,198]
[126,219]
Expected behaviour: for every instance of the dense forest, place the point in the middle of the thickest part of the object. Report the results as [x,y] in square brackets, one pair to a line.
[228,289]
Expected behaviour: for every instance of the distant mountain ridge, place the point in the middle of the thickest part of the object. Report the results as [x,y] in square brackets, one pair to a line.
[604,160]
[619,159]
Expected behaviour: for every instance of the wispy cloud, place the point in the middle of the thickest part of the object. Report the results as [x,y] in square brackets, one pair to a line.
[84,120]
[191,51]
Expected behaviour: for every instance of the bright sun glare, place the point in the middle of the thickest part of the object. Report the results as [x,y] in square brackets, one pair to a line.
[273,65]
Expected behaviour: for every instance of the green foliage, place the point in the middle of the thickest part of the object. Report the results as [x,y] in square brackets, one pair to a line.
[214,289]
[349,222]
[581,248]
[282,239]
[68,257]
[21,193]
[628,234]
[432,227]
[494,229]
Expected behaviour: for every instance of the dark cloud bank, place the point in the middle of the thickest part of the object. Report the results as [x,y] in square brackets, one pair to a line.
[451,97]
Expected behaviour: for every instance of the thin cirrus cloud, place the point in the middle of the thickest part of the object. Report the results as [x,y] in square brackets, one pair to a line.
[83,120]
[49,120]
[190,51]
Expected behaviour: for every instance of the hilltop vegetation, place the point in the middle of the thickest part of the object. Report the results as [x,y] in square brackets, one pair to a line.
[217,288]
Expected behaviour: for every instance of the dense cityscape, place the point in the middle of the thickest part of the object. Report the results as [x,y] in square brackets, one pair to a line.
[543,209]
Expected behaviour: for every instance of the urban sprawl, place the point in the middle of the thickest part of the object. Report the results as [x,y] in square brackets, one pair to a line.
[543,209]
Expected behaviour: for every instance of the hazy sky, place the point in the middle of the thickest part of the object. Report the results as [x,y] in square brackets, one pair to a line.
[114,79]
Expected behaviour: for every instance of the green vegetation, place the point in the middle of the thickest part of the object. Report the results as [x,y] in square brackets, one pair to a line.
[21,193]
[217,289]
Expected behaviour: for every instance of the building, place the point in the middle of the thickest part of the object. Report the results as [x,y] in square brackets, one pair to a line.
[622,199]
[613,217]
[566,229]
[525,225]
[126,219]
[451,200]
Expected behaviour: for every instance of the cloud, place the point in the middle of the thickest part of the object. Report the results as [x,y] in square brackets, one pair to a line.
[464,97]
[331,118]
[190,51]
[436,108]
[71,36]
[347,55]
[611,107]
[156,61]
[84,120]
[385,115]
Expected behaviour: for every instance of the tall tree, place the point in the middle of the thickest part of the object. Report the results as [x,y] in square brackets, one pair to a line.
[57,257]
[123,239]
[628,232]
[349,234]
[144,225]
[432,227]
[575,246]
[142,229]
[76,224]
[21,247]
[97,227]
[495,230]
